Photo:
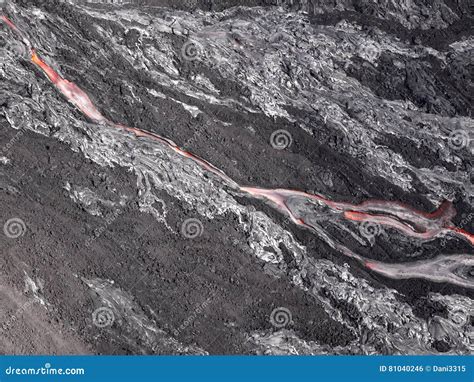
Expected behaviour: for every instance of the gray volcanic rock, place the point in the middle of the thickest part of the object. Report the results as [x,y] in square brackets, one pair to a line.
[236,177]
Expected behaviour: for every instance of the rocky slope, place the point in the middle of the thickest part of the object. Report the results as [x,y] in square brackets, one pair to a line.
[236,177]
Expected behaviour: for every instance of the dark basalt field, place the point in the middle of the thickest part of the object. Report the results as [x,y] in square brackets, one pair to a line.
[236,177]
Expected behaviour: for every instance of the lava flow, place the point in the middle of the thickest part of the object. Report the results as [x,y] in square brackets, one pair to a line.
[421,225]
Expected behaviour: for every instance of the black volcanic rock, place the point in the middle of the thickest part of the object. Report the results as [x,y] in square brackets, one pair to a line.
[236,177]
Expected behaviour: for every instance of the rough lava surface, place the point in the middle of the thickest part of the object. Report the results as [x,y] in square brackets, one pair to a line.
[236,177]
